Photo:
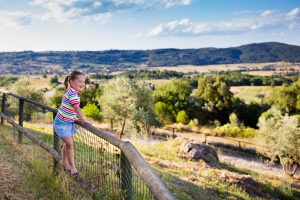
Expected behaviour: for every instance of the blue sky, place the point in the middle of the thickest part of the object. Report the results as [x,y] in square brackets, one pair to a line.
[43,25]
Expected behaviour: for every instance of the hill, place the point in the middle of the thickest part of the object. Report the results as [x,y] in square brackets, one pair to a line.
[113,60]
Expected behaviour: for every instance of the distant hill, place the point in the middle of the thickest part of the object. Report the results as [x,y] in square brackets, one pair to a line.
[112,60]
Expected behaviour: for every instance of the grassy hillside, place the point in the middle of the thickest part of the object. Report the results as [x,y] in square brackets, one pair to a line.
[193,180]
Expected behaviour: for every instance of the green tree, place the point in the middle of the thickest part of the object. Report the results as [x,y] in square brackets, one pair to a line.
[164,112]
[171,98]
[26,88]
[91,96]
[287,98]
[129,102]
[248,114]
[217,97]
[280,135]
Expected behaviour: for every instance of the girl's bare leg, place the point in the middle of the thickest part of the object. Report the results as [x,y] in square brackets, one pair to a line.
[64,160]
[70,153]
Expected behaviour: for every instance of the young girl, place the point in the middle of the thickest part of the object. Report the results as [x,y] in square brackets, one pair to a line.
[68,112]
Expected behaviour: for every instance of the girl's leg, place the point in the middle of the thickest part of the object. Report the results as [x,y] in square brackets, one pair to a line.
[70,153]
[64,160]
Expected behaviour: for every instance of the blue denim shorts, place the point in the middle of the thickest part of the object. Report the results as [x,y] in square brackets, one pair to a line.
[64,129]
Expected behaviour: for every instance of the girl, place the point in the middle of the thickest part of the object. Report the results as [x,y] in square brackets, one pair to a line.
[68,112]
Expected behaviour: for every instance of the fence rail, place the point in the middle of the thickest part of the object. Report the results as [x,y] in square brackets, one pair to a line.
[109,167]
[208,139]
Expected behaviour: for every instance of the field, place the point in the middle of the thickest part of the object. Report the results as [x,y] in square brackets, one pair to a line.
[251,93]
[251,68]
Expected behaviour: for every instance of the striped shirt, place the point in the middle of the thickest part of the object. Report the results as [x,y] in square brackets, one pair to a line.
[66,112]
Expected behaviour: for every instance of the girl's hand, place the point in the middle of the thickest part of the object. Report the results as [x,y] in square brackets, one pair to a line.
[88,121]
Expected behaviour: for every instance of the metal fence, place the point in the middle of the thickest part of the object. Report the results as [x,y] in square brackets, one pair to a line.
[109,168]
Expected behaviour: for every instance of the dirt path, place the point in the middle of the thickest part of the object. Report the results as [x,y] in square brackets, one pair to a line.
[250,162]
[11,176]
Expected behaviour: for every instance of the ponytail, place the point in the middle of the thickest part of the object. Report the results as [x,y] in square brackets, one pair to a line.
[67,81]
[72,76]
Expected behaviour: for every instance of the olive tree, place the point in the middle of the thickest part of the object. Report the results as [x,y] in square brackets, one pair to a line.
[280,135]
[129,102]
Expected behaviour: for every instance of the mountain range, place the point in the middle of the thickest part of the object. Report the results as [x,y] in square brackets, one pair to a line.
[112,60]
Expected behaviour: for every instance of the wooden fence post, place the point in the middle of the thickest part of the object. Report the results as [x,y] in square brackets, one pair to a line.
[3,107]
[126,177]
[173,133]
[240,145]
[111,124]
[21,112]
[56,148]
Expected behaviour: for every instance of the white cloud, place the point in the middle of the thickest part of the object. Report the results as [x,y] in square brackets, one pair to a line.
[268,13]
[266,20]
[17,19]
[294,14]
[157,30]
[62,11]
[97,4]
[171,3]
[66,10]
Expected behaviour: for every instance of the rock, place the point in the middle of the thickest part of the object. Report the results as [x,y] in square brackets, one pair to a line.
[198,151]
[195,154]
[186,146]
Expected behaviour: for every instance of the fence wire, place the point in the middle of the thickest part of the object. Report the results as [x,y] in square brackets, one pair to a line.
[97,160]
[41,164]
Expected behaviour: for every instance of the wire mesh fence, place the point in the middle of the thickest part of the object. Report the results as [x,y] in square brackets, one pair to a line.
[39,165]
[98,160]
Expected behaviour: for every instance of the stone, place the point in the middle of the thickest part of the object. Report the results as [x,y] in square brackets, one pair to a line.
[197,151]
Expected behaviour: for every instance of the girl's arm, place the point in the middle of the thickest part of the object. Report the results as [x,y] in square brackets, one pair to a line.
[79,112]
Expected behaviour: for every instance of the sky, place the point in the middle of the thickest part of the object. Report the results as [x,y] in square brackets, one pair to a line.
[49,25]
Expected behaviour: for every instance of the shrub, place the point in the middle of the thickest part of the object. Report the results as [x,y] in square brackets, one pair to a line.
[92,111]
[234,131]
[194,123]
[182,117]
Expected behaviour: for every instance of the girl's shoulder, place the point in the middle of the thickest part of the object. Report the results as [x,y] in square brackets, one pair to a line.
[71,91]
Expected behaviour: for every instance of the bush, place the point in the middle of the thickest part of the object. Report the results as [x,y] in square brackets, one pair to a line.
[182,117]
[194,123]
[92,111]
[233,119]
[56,99]
[54,80]
[234,131]
[164,112]
[7,81]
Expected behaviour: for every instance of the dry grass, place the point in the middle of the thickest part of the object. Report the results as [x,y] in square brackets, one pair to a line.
[282,67]
[251,93]
[209,68]
[193,180]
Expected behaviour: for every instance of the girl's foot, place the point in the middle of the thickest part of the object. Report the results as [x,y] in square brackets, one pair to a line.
[65,164]
[73,171]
